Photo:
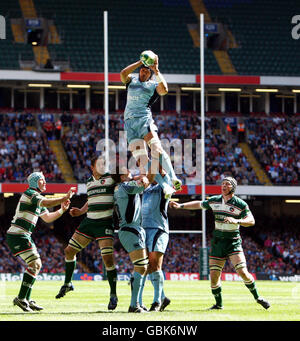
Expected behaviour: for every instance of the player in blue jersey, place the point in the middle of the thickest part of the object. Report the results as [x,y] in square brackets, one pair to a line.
[156,224]
[142,92]
[127,217]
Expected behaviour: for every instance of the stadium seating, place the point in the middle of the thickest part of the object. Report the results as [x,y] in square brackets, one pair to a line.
[262,30]
[81,29]
[275,143]
[18,135]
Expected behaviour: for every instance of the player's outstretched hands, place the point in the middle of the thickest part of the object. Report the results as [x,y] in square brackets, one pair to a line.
[154,67]
[65,205]
[75,212]
[174,204]
[70,193]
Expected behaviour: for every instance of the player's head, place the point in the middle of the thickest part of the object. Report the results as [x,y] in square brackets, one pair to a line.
[37,181]
[97,165]
[145,73]
[229,185]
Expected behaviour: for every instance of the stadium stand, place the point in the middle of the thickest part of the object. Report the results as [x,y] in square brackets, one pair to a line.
[264,41]
[275,142]
[24,149]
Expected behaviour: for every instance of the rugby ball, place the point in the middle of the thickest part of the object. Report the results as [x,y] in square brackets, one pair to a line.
[147,57]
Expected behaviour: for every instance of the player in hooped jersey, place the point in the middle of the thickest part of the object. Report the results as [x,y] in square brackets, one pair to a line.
[229,213]
[142,92]
[31,206]
[97,225]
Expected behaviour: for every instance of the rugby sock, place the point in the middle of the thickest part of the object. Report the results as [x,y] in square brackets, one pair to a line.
[157,280]
[70,267]
[26,286]
[136,287]
[217,292]
[112,278]
[166,164]
[140,298]
[252,288]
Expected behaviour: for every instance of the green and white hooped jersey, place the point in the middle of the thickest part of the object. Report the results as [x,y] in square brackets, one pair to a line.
[27,213]
[100,197]
[234,207]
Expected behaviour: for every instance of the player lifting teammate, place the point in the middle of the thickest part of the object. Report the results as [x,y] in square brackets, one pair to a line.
[97,225]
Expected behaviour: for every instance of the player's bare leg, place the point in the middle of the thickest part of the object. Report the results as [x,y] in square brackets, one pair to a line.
[76,244]
[216,266]
[239,262]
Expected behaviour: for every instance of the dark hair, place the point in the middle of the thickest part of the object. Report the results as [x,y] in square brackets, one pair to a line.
[93,160]
[146,67]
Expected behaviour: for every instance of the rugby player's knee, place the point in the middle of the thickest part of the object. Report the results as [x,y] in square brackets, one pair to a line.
[215,276]
[70,253]
[108,261]
[140,269]
[35,266]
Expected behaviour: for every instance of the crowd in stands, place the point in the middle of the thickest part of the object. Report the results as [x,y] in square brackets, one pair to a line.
[24,149]
[24,145]
[82,133]
[276,144]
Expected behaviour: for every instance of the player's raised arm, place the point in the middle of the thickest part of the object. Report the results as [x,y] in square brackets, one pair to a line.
[162,87]
[191,205]
[57,201]
[124,74]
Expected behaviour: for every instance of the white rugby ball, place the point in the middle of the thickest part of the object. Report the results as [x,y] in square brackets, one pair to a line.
[147,57]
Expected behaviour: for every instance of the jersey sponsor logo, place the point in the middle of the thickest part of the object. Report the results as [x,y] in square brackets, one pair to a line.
[108,231]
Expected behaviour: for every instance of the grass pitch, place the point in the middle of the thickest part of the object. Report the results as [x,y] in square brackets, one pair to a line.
[189,302]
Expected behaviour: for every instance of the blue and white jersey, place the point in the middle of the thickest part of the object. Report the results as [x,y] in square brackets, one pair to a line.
[154,208]
[127,209]
[140,97]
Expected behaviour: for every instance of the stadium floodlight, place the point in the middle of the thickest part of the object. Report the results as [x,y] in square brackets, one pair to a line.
[292,201]
[296,91]
[189,88]
[117,87]
[266,90]
[83,86]
[230,89]
[40,85]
